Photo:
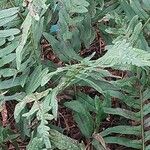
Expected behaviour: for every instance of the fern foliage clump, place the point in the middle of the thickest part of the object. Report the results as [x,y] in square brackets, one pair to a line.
[69,26]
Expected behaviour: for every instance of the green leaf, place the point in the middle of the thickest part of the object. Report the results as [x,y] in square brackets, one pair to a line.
[127,8]
[8,72]
[35,79]
[146,5]
[9,83]
[87,101]
[7,20]
[33,110]
[25,31]
[64,142]
[79,9]
[122,112]
[35,144]
[122,54]
[136,32]
[122,130]
[16,96]
[8,12]
[9,32]
[27,99]
[8,49]
[94,85]
[124,141]
[19,107]
[85,124]
[80,2]
[7,59]
[37,29]
[82,117]
[2,41]
[135,4]
[56,46]
[54,102]
[48,76]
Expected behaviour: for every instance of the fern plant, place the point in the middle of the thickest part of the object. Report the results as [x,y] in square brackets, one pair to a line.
[137,111]
[68,26]
[7,135]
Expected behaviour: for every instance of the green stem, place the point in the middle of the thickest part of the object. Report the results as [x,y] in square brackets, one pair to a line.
[146,23]
[142,120]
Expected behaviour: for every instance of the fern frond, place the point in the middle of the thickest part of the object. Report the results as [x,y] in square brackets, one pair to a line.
[122,54]
[139,130]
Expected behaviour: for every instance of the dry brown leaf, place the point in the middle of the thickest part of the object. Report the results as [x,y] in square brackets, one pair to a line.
[4,114]
[99,138]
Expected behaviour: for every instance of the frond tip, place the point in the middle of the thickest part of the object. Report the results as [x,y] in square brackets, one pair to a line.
[123,54]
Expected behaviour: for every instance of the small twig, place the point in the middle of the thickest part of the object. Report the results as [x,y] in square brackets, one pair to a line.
[146,23]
